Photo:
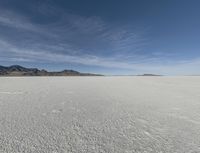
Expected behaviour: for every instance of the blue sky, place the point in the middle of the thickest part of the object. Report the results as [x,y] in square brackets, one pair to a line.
[107,36]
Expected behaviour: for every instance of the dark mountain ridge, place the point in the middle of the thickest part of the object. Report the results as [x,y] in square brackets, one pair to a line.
[17,70]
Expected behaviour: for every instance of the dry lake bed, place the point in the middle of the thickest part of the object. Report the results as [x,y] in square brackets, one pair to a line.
[99,114]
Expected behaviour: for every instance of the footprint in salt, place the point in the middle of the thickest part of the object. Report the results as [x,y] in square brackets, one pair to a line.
[176,108]
[147,133]
[56,111]
[70,92]
[44,114]
[63,103]
[142,121]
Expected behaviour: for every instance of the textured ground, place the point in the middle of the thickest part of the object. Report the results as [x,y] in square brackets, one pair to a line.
[100,115]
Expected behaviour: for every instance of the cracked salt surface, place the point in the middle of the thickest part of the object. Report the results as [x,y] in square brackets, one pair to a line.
[99,115]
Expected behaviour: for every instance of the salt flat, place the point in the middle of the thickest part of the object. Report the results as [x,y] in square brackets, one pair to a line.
[100,114]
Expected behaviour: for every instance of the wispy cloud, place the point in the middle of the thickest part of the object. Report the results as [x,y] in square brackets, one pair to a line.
[91,35]
[138,67]
[89,41]
[12,20]
[19,22]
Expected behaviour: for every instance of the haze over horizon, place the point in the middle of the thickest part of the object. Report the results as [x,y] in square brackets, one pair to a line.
[105,37]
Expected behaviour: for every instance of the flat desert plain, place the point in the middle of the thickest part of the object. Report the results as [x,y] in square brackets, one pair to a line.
[99,114]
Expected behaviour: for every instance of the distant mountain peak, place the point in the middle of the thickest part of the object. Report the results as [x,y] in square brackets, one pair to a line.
[17,70]
[149,75]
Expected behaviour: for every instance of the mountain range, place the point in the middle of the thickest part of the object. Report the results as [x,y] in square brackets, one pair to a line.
[17,70]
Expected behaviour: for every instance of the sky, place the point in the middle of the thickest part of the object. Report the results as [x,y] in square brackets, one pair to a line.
[112,37]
